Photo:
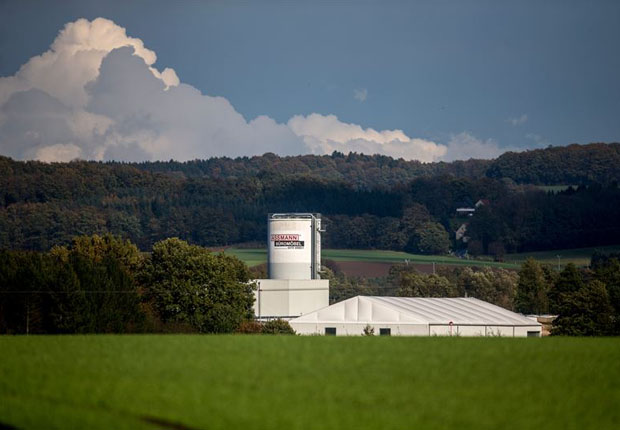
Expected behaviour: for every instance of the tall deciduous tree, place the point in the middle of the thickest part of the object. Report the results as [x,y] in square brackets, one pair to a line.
[191,285]
[608,272]
[414,284]
[497,286]
[532,289]
[569,281]
[97,248]
[586,312]
[431,238]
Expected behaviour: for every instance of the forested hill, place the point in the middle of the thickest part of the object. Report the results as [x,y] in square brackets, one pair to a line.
[573,164]
[368,201]
[359,170]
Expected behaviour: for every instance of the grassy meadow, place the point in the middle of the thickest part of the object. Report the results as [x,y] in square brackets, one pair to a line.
[579,256]
[291,382]
[253,257]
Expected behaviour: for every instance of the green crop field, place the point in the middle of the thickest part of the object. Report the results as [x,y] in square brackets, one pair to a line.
[292,382]
[578,256]
[253,257]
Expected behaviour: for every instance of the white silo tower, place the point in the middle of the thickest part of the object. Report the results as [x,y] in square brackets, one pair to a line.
[294,246]
[294,286]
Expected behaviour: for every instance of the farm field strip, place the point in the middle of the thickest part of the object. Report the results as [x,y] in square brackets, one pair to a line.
[579,256]
[292,382]
[253,257]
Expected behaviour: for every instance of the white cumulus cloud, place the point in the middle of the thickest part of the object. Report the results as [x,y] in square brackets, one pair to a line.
[464,146]
[97,94]
[74,59]
[324,134]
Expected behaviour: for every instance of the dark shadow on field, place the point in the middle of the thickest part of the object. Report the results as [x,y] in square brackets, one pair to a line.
[5,426]
[164,424]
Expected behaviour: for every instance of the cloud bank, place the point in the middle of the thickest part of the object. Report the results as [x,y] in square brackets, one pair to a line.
[97,94]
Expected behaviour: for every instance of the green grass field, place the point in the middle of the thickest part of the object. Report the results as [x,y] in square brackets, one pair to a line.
[292,382]
[580,257]
[253,257]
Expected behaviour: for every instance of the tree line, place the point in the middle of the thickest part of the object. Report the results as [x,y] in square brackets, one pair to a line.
[586,301]
[104,284]
[368,202]
[573,164]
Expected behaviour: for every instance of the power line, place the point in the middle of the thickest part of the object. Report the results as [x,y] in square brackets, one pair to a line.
[70,292]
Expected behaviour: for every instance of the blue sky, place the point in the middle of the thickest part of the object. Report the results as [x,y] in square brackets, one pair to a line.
[474,77]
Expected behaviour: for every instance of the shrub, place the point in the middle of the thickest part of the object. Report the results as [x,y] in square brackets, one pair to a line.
[250,327]
[278,327]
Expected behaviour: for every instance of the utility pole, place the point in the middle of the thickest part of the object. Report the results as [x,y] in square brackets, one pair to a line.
[27,317]
[258,300]
[558,262]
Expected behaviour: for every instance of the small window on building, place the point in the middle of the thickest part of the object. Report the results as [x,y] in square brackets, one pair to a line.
[385,332]
[533,334]
[330,331]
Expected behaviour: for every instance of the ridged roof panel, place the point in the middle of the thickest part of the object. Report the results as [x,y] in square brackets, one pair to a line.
[463,310]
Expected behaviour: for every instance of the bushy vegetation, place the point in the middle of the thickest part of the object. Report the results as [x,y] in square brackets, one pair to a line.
[586,300]
[277,326]
[103,284]
[494,285]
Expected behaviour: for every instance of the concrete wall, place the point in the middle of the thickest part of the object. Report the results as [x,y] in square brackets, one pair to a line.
[481,330]
[466,331]
[400,329]
[357,329]
[290,297]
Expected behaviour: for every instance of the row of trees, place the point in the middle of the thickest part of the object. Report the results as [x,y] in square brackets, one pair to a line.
[572,164]
[586,301]
[102,284]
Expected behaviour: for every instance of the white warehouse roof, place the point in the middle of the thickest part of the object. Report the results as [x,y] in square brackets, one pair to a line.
[417,316]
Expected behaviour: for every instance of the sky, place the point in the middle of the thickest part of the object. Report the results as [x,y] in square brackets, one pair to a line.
[425,80]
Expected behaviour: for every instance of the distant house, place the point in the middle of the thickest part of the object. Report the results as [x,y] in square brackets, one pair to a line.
[460,233]
[465,211]
[470,211]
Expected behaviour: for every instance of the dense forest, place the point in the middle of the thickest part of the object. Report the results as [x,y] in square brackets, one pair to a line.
[366,201]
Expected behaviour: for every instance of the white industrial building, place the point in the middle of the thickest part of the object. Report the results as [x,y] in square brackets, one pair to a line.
[294,291]
[289,298]
[416,316]
[294,286]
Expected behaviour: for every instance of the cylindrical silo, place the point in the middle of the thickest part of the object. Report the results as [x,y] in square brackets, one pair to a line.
[294,246]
